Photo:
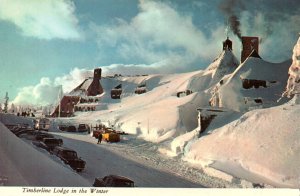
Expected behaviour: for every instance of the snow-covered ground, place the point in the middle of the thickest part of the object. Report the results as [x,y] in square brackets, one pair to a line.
[133,158]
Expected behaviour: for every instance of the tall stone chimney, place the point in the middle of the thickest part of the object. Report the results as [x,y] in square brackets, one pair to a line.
[97,74]
[95,87]
[248,45]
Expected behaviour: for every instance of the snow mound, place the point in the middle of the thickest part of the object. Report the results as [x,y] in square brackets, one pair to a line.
[263,146]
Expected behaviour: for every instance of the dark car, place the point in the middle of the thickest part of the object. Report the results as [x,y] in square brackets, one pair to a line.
[62,127]
[113,181]
[48,143]
[83,128]
[16,129]
[40,136]
[71,128]
[69,156]
[24,131]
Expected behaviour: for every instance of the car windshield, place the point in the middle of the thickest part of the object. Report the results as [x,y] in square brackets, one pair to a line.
[70,154]
[81,126]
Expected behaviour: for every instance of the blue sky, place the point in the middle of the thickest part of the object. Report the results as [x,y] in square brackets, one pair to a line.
[44,44]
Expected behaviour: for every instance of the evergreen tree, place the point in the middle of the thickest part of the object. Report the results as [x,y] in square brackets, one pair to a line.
[6,98]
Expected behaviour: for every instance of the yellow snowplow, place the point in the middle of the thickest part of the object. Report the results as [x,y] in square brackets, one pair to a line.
[111,137]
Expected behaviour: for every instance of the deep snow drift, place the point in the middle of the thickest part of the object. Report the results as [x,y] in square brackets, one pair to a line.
[262,146]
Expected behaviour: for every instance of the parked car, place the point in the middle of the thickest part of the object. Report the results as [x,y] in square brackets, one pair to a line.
[17,128]
[83,128]
[113,181]
[42,124]
[41,136]
[24,131]
[31,135]
[69,156]
[48,143]
[63,127]
[71,128]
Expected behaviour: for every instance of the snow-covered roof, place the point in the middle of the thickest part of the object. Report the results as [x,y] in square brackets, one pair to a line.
[272,76]
[82,88]
[224,64]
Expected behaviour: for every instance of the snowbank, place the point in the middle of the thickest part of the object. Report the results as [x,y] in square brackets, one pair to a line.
[24,165]
[262,146]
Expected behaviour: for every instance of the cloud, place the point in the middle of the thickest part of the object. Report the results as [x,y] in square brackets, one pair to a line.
[47,91]
[43,93]
[159,33]
[43,19]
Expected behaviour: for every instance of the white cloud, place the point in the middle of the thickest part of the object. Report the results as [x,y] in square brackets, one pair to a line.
[43,93]
[44,19]
[157,33]
[47,91]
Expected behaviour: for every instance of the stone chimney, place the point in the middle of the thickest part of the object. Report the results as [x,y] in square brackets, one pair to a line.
[97,73]
[248,45]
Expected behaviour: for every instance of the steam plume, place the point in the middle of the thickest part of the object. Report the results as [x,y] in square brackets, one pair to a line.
[231,9]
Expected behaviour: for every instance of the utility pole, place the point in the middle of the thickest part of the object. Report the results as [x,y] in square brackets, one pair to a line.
[60,95]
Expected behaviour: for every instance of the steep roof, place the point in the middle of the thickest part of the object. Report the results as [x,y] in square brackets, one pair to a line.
[254,54]
[224,64]
[89,87]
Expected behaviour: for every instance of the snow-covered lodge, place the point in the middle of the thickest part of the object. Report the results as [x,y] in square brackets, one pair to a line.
[83,98]
[253,83]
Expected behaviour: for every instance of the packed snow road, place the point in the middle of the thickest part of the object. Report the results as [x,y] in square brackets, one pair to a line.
[102,161]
